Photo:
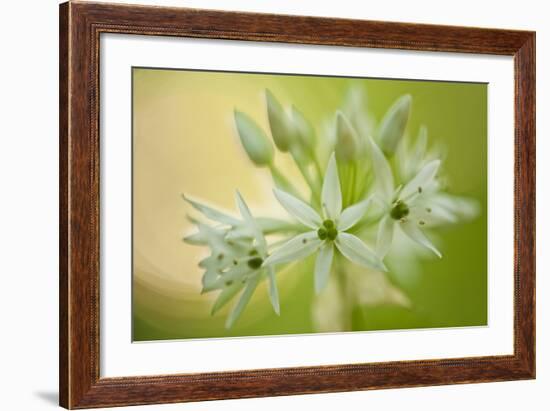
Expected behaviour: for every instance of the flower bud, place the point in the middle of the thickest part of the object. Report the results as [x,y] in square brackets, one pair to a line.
[304,131]
[254,140]
[347,141]
[279,123]
[393,124]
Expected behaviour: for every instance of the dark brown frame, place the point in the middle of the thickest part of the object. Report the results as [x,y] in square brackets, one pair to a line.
[81,24]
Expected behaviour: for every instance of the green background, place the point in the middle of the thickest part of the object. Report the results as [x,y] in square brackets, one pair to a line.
[184,141]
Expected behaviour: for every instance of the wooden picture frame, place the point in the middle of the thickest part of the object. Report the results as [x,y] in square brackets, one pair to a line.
[80,27]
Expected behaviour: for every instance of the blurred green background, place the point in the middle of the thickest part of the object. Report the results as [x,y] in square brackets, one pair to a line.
[184,142]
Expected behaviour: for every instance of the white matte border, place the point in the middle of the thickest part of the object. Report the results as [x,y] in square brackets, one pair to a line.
[120,357]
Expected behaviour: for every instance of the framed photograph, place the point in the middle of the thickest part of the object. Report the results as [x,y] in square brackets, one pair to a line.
[259,205]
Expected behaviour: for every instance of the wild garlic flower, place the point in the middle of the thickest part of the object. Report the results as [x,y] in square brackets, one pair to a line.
[407,207]
[447,208]
[401,176]
[325,231]
[238,250]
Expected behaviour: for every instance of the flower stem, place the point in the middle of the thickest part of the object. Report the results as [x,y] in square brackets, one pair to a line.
[352,182]
[317,166]
[315,193]
[347,304]
[312,186]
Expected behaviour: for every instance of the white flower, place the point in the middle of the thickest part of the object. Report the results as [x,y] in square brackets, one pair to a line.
[409,206]
[411,156]
[325,231]
[446,208]
[236,258]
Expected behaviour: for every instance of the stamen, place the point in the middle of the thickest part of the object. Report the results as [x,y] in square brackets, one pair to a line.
[255,263]
[327,231]
[400,210]
[328,224]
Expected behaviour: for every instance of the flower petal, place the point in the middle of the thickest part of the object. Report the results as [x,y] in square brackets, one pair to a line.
[213,236]
[351,215]
[250,222]
[423,178]
[322,266]
[295,249]
[298,209]
[385,236]
[419,151]
[234,274]
[273,292]
[212,213]
[415,233]
[331,195]
[356,251]
[243,301]
[458,207]
[382,171]
[243,208]
[431,213]
[209,280]
[196,239]
[225,296]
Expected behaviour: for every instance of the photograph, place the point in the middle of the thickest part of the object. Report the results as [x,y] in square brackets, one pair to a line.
[283,203]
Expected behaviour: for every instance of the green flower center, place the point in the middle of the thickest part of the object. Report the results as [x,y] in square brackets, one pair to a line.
[328,224]
[255,263]
[327,231]
[400,210]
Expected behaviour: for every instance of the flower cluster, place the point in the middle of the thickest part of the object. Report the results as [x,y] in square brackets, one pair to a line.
[363,182]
